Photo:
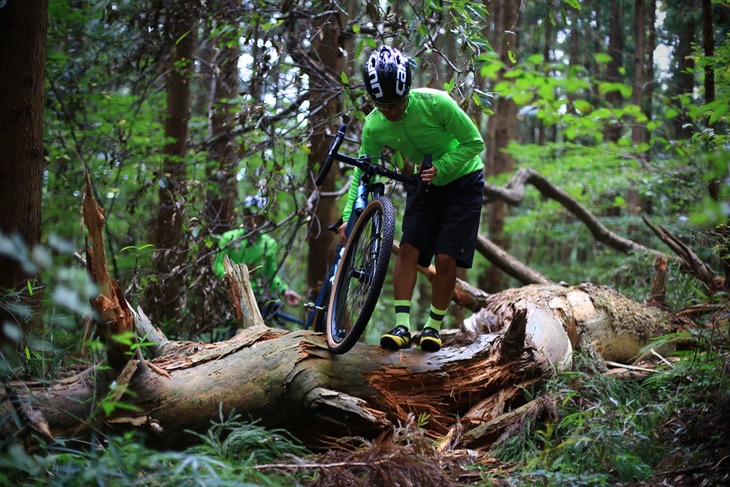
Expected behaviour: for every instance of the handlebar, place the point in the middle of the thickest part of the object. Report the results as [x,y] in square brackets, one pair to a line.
[364,163]
[331,155]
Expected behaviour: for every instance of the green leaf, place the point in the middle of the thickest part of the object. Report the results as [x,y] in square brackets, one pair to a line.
[573,3]
[671,113]
[718,113]
[602,58]
[583,106]
[271,25]
[491,68]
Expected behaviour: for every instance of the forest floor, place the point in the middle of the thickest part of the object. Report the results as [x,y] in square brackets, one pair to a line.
[699,443]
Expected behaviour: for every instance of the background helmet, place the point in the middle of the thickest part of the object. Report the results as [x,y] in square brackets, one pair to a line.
[387,75]
[254,203]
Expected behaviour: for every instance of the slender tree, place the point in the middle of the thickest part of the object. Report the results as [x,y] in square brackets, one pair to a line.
[612,132]
[501,129]
[329,43]
[640,63]
[683,66]
[222,146]
[714,186]
[168,230]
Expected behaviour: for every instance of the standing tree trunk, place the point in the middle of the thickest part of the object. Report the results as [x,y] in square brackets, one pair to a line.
[639,129]
[547,47]
[615,49]
[502,129]
[684,67]
[651,82]
[328,44]
[218,54]
[714,186]
[23,28]
[221,198]
[168,230]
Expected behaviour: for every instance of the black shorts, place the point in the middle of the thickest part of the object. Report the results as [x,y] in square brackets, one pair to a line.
[445,220]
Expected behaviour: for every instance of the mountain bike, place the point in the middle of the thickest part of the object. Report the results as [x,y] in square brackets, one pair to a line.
[356,277]
[272,311]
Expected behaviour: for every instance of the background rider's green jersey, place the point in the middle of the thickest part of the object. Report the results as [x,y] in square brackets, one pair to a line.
[432,124]
[259,253]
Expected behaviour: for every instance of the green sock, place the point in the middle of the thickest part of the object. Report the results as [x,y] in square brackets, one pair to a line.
[403,313]
[435,317]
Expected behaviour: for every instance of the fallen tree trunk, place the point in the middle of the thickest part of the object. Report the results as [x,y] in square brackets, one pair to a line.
[596,319]
[290,379]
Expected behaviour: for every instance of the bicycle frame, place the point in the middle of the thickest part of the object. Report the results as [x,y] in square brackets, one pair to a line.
[367,191]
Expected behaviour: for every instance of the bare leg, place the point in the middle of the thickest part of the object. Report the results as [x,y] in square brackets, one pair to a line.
[444,283]
[404,273]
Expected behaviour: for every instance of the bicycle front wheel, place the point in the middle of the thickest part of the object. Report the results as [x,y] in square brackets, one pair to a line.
[360,275]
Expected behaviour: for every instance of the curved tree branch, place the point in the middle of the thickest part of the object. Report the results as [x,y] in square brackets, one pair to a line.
[514,192]
[691,263]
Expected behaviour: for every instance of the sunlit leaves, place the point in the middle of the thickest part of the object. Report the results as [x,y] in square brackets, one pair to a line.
[609,87]
[602,58]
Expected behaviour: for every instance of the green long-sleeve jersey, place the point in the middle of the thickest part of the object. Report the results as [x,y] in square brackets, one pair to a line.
[259,252]
[433,123]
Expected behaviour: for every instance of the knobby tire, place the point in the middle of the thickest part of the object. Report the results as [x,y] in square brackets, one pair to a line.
[360,275]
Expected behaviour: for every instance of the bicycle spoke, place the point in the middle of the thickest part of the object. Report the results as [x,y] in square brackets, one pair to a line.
[360,275]
[360,278]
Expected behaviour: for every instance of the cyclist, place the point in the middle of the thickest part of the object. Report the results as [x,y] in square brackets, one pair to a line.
[444,220]
[259,252]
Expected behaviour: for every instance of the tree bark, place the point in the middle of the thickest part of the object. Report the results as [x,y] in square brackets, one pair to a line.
[323,64]
[639,128]
[222,110]
[164,293]
[502,128]
[23,28]
[682,80]
[290,380]
[612,132]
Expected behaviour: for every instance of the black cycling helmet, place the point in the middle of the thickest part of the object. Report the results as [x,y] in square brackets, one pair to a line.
[253,204]
[387,75]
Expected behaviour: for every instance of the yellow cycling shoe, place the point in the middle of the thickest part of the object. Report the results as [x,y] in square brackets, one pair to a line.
[430,339]
[398,337]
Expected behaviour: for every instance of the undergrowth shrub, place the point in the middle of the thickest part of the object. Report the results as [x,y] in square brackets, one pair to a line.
[599,427]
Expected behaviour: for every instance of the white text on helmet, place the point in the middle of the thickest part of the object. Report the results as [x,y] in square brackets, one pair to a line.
[377,90]
[400,80]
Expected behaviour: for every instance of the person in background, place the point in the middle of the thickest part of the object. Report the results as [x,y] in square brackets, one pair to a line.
[259,252]
[444,220]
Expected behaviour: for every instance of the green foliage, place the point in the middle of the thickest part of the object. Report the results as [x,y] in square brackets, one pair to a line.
[229,455]
[702,370]
[246,443]
[591,428]
[66,293]
[112,461]
[599,427]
